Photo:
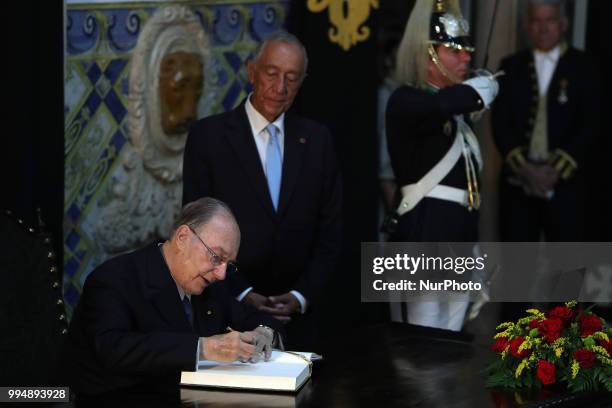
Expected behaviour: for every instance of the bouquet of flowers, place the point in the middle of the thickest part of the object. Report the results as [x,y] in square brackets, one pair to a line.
[564,345]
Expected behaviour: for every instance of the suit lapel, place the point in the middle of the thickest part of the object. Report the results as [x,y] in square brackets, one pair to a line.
[240,138]
[162,292]
[295,149]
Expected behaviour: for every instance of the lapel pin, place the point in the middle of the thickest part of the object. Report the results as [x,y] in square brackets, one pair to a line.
[302,140]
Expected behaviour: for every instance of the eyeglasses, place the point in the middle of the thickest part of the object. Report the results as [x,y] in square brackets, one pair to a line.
[216,260]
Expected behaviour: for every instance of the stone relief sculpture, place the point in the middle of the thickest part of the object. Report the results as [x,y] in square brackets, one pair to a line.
[166,83]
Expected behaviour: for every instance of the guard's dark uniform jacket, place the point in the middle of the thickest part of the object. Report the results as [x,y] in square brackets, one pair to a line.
[420,130]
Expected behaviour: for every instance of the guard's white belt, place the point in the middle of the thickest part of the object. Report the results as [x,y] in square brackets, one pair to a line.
[440,192]
[448,193]
[412,194]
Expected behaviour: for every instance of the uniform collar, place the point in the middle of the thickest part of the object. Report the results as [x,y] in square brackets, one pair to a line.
[431,88]
[551,56]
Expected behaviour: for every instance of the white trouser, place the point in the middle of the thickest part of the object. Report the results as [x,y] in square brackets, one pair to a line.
[447,315]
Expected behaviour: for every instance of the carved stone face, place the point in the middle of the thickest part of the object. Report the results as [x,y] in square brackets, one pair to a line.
[180,87]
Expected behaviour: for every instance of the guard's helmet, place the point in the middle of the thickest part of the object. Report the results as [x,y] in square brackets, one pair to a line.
[448,29]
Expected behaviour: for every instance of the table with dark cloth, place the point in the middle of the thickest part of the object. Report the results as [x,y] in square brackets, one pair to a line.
[387,365]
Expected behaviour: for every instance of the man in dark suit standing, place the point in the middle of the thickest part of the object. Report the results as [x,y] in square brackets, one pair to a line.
[146,316]
[278,173]
[544,118]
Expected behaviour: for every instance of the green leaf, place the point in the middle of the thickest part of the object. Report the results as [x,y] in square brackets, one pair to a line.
[589,341]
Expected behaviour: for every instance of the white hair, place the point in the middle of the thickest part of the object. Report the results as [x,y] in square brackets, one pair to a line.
[412,55]
[556,3]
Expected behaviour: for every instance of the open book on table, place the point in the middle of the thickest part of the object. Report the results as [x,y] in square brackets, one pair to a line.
[285,371]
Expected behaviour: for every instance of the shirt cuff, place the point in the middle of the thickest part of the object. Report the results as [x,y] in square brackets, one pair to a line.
[300,299]
[198,359]
[243,294]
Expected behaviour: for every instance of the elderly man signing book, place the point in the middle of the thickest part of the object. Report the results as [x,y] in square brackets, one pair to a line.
[146,316]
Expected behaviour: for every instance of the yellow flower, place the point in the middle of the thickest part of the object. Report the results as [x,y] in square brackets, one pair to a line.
[600,350]
[571,304]
[526,344]
[604,360]
[505,333]
[601,336]
[558,352]
[536,314]
[559,342]
[505,325]
[522,365]
[575,368]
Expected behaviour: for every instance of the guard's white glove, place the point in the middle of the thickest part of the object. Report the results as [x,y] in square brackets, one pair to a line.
[486,86]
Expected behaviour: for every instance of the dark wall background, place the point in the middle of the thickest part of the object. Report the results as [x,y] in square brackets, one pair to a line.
[600,202]
[340,91]
[33,158]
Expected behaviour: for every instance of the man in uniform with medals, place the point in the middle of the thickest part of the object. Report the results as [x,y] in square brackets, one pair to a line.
[546,115]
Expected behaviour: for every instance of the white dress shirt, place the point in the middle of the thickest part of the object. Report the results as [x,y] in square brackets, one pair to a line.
[260,135]
[545,64]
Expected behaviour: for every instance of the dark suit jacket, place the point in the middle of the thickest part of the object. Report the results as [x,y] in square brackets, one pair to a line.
[130,328]
[294,248]
[572,123]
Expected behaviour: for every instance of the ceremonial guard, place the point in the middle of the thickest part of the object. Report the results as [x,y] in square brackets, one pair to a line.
[434,153]
[545,117]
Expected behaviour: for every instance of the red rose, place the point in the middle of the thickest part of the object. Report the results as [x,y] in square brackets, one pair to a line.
[515,343]
[562,312]
[547,372]
[499,345]
[551,328]
[586,358]
[589,325]
[535,324]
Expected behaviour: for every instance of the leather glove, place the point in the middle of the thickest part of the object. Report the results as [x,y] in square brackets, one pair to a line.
[486,86]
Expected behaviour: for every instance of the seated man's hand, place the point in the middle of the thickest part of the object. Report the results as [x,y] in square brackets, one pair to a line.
[229,347]
[256,300]
[263,338]
[283,306]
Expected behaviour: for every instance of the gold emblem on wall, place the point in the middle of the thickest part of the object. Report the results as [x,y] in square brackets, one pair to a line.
[348,17]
